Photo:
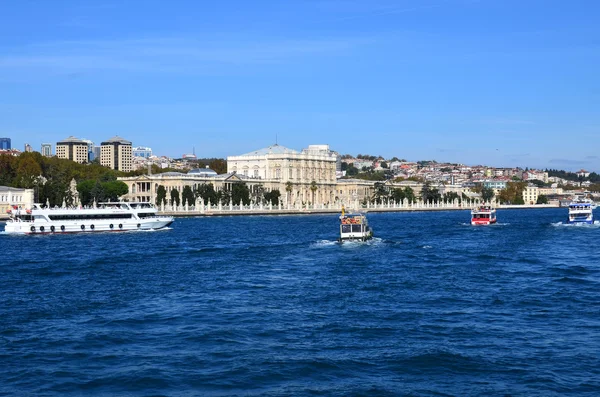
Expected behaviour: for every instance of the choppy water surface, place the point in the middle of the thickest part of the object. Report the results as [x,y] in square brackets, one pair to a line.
[273,306]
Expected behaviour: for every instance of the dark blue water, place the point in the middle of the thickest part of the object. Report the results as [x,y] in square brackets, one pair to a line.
[272,306]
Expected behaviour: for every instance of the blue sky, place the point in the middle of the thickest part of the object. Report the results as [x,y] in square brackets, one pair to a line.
[496,82]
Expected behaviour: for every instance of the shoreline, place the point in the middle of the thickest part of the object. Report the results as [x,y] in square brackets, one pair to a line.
[273,212]
[322,211]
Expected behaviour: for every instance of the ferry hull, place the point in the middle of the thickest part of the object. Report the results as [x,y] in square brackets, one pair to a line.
[356,236]
[476,222]
[85,227]
[584,222]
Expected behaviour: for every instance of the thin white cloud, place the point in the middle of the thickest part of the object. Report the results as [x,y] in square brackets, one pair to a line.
[170,54]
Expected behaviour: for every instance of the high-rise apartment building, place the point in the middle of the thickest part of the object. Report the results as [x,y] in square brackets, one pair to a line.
[28,148]
[72,149]
[116,153]
[47,149]
[5,144]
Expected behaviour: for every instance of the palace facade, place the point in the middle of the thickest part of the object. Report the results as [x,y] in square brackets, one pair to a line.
[305,177]
[302,177]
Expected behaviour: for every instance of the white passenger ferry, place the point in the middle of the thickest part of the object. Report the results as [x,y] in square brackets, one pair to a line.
[104,217]
[354,227]
[581,211]
[483,215]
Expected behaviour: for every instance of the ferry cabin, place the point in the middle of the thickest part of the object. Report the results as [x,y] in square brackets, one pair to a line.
[354,227]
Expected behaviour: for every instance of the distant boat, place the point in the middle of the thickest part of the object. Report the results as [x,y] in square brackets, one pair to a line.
[483,215]
[580,211]
[354,227]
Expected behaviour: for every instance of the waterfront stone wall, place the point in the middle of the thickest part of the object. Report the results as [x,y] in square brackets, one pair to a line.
[233,209]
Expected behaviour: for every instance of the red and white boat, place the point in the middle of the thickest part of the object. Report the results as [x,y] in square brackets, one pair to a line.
[483,215]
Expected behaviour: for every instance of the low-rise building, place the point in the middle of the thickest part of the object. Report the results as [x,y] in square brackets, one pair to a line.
[10,196]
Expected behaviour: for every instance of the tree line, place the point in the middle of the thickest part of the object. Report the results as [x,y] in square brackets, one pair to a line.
[50,178]
[239,193]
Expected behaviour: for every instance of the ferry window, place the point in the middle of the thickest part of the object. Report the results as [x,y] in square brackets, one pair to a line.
[356,228]
[346,228]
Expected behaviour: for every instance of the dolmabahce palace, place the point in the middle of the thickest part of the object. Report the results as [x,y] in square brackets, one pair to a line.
[306,176]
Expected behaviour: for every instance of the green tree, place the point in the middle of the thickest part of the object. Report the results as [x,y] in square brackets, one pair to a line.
[161,195]
[487,194]
[207,192]
[175,197]
[351,170]
[513,193]
[272,197]
[542,199]
[28,170]
[224,196]
[219,166]
[187,195]
[430,194]
[54,192]
[85,191]
[537,182]
[289,186]
[449,197]
[114,189]
[8,165]
[97,192]
[397,195]
[380,193]
[409,194]
[240,192]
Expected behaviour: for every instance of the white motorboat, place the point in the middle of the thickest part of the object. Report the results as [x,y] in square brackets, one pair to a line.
[354,227]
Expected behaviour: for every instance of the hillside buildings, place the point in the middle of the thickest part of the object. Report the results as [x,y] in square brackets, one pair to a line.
[116,153]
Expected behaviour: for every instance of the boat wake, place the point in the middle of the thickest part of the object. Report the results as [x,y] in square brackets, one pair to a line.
[596,224]
[324,243]
[328,243]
